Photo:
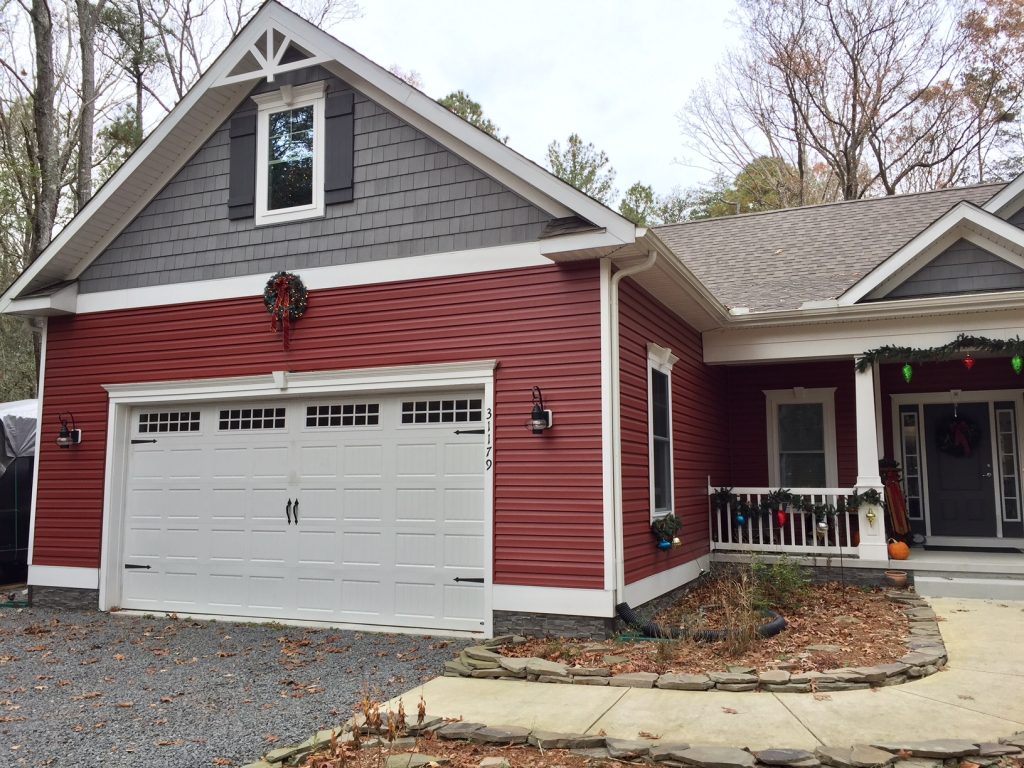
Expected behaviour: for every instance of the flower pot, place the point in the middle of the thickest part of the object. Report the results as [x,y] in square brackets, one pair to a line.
[896,578]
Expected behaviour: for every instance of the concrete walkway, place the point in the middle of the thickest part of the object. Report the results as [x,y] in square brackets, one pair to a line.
[979,696]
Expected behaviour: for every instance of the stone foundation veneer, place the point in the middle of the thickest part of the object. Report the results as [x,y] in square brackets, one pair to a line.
[553,625]
[65,598]
[926,655]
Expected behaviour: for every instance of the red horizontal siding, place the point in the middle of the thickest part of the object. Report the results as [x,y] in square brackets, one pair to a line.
[542,324]
[698,427]
[748,428]
[987,373]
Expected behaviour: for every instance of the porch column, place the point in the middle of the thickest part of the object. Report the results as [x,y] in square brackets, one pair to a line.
[872,534]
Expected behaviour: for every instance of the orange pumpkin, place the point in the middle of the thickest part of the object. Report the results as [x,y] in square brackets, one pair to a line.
[898,550]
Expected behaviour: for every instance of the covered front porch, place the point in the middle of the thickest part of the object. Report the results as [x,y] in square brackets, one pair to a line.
[807,437]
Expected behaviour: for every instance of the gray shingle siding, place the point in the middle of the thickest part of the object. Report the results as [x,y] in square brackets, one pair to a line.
[961,268]
[411,197]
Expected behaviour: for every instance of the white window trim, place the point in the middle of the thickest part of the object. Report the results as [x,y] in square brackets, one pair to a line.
[826,396]
[660,359]
[289,97]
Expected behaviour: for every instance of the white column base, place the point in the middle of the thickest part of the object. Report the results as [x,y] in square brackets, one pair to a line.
[872,536]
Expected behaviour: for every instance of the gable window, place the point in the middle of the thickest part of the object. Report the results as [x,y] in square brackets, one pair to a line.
[659,398]
[802,438]
[290,154]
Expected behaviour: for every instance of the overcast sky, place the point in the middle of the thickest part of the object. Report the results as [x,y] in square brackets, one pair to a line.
[614,72]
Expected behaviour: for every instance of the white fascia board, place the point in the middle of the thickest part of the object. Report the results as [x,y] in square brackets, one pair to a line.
[467,262]
[475,146]
[847,339]
[62,302]
[391,378]
[1008,200]
[912,256]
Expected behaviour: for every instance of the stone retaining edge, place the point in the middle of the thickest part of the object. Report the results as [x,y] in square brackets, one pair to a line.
[926,655]
[878,754]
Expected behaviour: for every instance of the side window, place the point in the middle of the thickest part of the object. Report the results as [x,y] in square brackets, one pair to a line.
[659,397]
[801,438]
[290,154]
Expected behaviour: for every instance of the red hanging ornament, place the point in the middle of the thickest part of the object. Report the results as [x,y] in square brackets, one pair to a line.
[781,517]
[968,361]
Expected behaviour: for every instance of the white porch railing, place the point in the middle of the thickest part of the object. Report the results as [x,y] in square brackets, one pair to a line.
[801,534]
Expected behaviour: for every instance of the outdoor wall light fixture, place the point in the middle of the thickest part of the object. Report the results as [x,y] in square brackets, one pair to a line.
[540,418]
[68,437]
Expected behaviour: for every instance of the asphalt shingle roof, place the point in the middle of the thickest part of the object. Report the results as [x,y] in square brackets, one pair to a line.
[781,259]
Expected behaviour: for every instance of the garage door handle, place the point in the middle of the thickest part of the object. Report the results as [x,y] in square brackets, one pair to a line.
[295,511]
[288,511]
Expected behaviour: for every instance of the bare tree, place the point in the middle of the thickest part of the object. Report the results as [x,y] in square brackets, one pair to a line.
[861,97]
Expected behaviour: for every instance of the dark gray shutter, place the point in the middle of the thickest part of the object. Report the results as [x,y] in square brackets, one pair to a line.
[339,148]
[242,190]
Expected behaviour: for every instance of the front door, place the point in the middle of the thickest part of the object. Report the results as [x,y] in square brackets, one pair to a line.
[961,492]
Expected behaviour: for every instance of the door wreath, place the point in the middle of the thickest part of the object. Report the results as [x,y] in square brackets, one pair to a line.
[957,436]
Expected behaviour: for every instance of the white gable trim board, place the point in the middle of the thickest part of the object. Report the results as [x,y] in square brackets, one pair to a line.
[129,529]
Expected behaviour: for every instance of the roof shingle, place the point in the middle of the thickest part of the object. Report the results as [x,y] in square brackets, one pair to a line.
[781,259]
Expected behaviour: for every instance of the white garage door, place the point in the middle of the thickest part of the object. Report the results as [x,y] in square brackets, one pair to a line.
[364,510]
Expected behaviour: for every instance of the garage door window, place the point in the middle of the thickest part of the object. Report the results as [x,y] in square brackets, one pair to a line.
[343,415]
[441,411]
[169,421]
[251,418]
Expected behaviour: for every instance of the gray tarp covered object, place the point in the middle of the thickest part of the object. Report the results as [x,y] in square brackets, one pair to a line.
[17,430]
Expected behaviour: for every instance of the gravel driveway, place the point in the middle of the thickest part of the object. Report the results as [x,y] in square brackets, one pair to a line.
[104,690]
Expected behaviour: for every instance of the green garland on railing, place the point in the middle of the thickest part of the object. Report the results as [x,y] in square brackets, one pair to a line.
[963,343]
[724,498]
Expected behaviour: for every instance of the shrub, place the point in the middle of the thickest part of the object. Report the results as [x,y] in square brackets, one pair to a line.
[779,585]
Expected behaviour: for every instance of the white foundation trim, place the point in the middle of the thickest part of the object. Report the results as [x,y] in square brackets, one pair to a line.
[63,576]
[123,397]
[645,590]
[572,602]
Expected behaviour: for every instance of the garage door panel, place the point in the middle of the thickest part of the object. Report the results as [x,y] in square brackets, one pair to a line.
[463,505]
[463,551]
[390,513]
[362,461]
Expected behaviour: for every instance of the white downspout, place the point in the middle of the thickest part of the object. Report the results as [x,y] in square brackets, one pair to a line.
[613,411]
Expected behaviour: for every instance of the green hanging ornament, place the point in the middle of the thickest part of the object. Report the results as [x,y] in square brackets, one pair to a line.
[1017,364]
[908,372]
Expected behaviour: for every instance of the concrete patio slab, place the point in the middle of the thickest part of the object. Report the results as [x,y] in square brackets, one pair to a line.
[707,718]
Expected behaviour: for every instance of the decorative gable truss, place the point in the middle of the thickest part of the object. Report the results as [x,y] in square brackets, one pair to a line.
[940,258]
[270,55]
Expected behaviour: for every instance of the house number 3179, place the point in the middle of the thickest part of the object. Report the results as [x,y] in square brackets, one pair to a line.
[488,461]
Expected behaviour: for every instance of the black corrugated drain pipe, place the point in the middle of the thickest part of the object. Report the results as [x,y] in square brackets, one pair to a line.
[650,629]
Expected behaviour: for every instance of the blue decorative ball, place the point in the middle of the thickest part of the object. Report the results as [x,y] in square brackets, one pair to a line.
[741,519]
[664,544]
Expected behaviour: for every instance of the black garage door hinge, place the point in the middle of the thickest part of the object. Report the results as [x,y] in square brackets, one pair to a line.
[474,579]
[139,442]
[469,431]
[133,567]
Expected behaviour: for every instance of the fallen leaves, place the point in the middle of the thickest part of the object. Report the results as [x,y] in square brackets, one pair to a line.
[730,711]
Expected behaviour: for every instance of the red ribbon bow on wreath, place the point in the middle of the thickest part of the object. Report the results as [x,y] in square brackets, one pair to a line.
[285,299]
[282,305]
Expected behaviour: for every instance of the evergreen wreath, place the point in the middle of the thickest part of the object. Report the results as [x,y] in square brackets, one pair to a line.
[957,436]
[283,295]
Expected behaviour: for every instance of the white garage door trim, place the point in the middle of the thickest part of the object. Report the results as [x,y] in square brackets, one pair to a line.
[279,384]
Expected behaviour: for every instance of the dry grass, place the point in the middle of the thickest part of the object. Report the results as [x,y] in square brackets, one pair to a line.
[867,629]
